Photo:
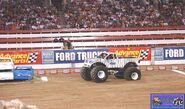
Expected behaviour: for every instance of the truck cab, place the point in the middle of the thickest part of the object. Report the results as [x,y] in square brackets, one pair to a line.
[6,69]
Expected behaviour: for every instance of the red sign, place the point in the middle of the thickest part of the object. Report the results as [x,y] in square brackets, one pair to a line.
[143,53]
[23,57]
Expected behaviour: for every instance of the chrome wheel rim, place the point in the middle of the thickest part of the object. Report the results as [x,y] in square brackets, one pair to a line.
[134,76]
[101,74]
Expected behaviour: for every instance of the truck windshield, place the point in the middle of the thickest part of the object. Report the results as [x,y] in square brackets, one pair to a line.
[102,55]
[5,60]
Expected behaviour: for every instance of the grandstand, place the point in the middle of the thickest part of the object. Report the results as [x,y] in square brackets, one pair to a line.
[34,25]
[31,40]
[39,15]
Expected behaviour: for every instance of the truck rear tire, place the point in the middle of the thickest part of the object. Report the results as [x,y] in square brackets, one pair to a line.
[85,74]
[120,74]
[99,74]
[132,73]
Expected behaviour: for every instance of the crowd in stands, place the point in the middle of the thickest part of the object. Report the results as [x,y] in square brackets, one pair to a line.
[33,15]
[123,13]
[27,15]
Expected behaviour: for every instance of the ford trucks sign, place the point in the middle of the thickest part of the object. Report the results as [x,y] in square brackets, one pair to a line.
[174,53]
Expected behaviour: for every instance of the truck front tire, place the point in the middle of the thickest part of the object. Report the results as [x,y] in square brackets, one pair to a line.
[132,73]
[99,74]
[85,74]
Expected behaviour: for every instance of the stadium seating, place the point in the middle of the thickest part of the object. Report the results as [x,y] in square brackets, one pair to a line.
[26,40]
[34,15]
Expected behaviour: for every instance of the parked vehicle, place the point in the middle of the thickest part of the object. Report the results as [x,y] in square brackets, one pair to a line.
[9,72]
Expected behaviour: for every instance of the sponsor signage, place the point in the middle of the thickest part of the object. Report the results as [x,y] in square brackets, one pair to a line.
[23,57]
[174,53]
[143,53]
[158,54]
[76,56]
[167,101]
[48,57]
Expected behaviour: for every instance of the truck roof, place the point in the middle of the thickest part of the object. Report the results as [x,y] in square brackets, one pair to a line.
[4,59]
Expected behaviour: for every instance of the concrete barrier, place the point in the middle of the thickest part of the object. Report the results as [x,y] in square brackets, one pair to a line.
[77,70]
[162,67]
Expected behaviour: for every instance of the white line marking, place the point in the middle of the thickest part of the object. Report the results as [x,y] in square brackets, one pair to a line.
[178,71]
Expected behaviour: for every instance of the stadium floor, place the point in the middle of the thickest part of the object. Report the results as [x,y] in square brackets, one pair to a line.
[69,91]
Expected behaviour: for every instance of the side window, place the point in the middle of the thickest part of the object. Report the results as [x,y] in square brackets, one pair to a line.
[114,56]
[103,55]
[110,56]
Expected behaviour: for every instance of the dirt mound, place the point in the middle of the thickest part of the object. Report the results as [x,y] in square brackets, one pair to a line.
[15,104]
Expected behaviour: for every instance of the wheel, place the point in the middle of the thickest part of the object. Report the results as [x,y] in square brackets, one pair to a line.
[99,74]
[120,74]
[85,73]
[132,73]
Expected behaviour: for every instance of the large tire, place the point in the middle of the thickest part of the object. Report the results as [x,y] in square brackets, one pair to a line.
[132,73]
[85,74]
[99,74]
[120,74]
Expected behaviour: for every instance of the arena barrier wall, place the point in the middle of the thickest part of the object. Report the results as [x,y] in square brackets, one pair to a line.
[73,58]
[82,34]
[166,58]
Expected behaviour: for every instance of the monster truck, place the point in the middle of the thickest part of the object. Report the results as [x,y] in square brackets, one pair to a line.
[98,69]
[9,72]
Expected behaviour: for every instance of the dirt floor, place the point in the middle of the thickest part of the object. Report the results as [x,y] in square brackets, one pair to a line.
[69,91]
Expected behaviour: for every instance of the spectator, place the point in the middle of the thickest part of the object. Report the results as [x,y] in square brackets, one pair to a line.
[67,44]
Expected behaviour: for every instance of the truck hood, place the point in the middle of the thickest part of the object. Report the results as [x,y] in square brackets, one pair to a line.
[6,75]
[6,66]
[92,60]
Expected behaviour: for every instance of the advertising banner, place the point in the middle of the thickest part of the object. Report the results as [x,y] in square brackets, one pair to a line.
[143,53]
[23,57]
[174,53]
[48,57]
[75,56]
[158,54]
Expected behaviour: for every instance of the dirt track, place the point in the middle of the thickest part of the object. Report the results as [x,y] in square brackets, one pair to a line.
[69,91]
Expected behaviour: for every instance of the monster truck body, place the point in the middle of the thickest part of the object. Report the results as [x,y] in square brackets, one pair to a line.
[105,64]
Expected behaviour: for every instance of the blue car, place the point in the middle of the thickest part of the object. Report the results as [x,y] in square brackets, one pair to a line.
[23,73]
